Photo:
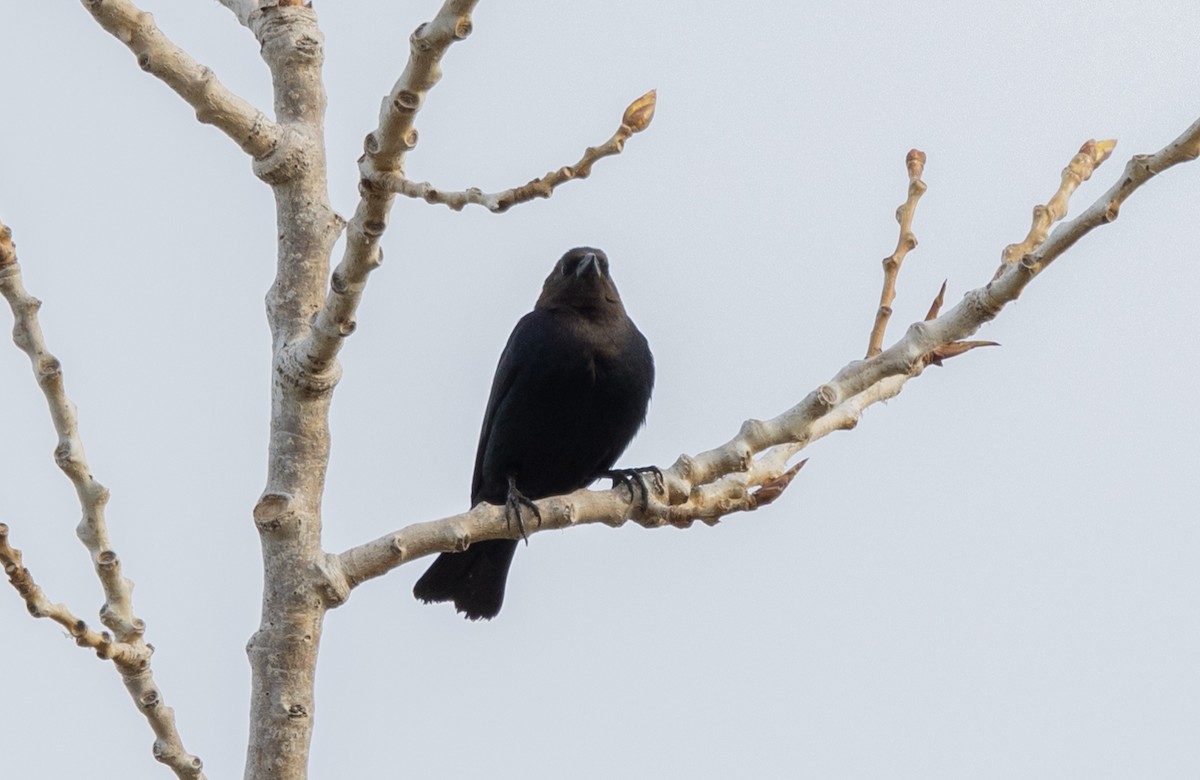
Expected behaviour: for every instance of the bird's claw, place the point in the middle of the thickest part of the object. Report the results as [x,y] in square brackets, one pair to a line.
[637,476]
[512,509]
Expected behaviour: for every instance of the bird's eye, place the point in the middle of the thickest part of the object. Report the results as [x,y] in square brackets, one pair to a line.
[568,265]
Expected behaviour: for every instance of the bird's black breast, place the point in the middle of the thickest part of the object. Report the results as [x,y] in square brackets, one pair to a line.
[569,394]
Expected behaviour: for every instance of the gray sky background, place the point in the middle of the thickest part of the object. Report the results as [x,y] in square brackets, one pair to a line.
[994,576]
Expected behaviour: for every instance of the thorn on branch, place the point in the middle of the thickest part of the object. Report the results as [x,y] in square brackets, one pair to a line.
[935,308]
[774,488]
[954,349]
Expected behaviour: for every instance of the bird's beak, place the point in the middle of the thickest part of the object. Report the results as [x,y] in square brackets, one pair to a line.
[589,264]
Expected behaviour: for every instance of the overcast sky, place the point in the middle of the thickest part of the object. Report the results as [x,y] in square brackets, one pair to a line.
[993,576]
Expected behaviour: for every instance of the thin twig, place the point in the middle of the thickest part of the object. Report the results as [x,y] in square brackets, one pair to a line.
[130,653]
[637,117]
[40,606]
[915,162]
[1079,170]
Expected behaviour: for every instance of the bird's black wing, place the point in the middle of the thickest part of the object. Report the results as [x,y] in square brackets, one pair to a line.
[524,340]
[475,579]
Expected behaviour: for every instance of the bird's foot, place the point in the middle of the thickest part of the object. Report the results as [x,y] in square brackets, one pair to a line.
[637,476]
[512,508]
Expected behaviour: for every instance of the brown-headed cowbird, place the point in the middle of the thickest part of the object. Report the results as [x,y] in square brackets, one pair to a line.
[570,392]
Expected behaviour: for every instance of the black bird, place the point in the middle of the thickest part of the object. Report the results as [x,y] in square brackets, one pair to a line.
[570,392]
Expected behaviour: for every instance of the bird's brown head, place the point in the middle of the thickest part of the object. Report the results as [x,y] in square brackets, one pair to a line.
[580,281]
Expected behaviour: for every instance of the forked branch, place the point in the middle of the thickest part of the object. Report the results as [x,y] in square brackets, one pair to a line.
[127,647]
[384,151]
[40,606]
[158,55]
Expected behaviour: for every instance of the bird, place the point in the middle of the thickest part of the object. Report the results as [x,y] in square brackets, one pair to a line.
[570,392]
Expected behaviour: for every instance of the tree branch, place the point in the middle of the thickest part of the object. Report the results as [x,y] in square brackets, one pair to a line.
[714,483]
[915,161]
[157,54]
[293,49]
[636,118]
[40,606]
[613,508]
[1079,170]
[384,151]
[283,652]
[69,454]
[130,653]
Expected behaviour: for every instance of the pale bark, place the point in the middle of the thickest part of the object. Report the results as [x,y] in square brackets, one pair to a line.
[383,152]
[283,652]
[126,646]
[196,84]
[1077,171]
[310,312]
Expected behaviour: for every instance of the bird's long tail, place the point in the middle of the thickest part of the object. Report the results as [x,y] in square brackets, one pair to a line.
[473,579]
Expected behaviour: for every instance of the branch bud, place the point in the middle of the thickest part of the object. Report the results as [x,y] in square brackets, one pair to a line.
[1099,151]
[637,117]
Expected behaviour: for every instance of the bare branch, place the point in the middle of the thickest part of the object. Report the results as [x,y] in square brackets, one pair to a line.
[283,652]
[837,404]
[636,118]
[40,606]
[385,148]
[130,652]
[1079,170]
[709,503]
[915,162]
[157,54]
[69,454]
[292,46]
[715,482]
[954,348]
